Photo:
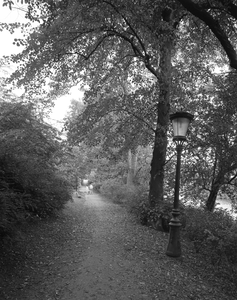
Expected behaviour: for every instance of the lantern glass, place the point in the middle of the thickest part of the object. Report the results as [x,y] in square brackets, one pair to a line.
[180,122]
[180,127]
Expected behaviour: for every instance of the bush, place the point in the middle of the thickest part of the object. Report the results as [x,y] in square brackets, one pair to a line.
[97,187]
[29,181]
[41,202]
[121,193]
[213,234]
[51,197]
[230,244]
[159,216]
[13,210]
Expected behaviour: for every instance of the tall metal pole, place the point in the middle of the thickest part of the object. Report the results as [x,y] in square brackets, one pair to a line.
[174,246]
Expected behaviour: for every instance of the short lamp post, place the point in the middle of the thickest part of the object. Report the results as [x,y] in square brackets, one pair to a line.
[180,122]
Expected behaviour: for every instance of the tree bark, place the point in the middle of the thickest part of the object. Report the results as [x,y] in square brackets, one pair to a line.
[156,192]
[216,185]
[211,201]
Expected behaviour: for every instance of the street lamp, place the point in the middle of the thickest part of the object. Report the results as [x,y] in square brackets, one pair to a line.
[180,122]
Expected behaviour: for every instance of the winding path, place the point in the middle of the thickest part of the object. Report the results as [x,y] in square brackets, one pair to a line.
[95,250]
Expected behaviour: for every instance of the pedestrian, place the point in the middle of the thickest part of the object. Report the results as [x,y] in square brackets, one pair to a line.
[87,189]
[91,188]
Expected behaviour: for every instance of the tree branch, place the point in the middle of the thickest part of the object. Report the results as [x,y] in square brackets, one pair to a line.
[230,7]
[135,116]
[215,27]
[231,179]
[137,51]
[129,25]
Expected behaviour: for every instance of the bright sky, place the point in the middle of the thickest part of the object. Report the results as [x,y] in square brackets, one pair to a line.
[10,16]
[17,15]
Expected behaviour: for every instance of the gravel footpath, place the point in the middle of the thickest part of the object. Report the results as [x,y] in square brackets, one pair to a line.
[96,250]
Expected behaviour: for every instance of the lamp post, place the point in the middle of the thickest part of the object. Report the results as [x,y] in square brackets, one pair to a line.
[180,122]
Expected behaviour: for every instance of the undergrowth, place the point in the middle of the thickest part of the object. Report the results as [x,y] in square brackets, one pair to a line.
[213,234]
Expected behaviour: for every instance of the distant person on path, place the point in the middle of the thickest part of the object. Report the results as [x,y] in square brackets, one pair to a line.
[78,191]
[87,189]
[90,188]
[85,182]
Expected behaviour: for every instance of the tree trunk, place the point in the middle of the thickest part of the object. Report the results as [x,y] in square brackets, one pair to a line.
[132,166]
[156,193]
[211,201]
[216,185]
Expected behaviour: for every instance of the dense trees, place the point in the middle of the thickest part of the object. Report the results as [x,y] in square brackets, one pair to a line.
[98,42]
[212,165]
[95,45]
[116,120]
[116,22]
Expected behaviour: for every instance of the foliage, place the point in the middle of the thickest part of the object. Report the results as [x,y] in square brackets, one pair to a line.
[142,175]
[113,165]
[213,234]
[105,38]
[220,17]
[116,190]
[30,184]
[159,217]
[98,41]
[95,42]
[121,114]
[78,162]
[93,163]
[209,163]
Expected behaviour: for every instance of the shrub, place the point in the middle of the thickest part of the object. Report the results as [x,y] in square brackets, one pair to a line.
[159,216]
[118,191]
[112,188]
[13,209]
[96,187]
[41,202]
[29,181]
[230,244]
[51,197]
[213,234]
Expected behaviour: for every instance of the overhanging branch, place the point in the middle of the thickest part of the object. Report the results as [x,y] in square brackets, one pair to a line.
[215,27]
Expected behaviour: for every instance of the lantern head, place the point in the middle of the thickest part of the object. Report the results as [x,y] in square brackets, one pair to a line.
[180,122]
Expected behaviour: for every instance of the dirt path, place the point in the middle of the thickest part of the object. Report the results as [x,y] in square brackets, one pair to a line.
[105,262]
[96,250]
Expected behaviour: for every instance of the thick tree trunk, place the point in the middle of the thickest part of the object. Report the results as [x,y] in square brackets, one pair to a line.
[156,193]
[132,166]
